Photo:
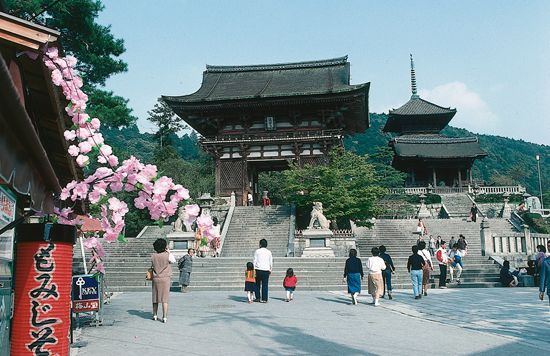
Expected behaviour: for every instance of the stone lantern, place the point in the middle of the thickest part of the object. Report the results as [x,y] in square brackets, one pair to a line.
[206,202]
[506,211]
[423,211]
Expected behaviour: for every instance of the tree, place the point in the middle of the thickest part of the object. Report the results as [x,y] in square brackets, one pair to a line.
[348,186]
[94,45]
[166,121]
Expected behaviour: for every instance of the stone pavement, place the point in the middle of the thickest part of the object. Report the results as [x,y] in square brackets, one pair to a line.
[493,321]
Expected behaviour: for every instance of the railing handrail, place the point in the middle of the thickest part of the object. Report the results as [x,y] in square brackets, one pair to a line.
[274,135]
[512,189]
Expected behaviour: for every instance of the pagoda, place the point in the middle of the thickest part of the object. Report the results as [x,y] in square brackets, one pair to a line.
[422,152]
[256,118]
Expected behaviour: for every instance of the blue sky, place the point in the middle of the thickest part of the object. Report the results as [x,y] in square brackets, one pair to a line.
[488,59]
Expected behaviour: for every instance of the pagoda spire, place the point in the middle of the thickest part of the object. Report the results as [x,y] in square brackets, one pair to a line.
[413,80]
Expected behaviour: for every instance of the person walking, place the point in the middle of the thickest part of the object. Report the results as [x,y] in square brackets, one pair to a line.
[462,245]
[353,273]
[427,268]
[375,265]
[539,258]
[438,242]
[544,283]
[452,242]
[263,264]
[289,284]
[455,262]
[473,212]
[421,228]
[185,265]
[250,199]
[266,200]
[387,273]
[431,245]
[250,281]
[443,261]
[162,273]
[414,266]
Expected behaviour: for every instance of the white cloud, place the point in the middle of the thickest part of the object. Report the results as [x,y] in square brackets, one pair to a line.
[472,112]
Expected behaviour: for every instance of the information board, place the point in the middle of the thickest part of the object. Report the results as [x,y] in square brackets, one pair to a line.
[86,293]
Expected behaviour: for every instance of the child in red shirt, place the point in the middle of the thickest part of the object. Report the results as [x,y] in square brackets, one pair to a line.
[289,283]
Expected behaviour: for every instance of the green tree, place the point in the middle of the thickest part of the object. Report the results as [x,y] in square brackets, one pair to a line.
[167,123]
[95,47]
[348,187]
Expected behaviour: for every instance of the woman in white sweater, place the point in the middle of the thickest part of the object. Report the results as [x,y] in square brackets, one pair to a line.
[375,265]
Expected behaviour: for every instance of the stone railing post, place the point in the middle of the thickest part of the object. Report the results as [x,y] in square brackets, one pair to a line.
[528,243]
[487,247]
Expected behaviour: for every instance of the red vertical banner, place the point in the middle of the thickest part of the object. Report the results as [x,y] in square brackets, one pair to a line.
[43,274]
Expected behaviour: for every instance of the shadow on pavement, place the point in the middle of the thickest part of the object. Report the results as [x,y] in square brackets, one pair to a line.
[140,313]
[291,340]
[336,300]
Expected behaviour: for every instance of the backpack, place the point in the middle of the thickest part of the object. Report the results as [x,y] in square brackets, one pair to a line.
[181,262]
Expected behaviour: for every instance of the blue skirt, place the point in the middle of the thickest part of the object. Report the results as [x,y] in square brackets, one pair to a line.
[354,282]
[249,287]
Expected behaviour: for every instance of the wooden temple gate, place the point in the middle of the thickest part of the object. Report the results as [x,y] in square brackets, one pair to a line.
[264,117]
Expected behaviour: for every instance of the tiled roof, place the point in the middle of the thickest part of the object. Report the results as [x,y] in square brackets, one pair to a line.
[417,106]
[418,115]
[436,147]
[221,83]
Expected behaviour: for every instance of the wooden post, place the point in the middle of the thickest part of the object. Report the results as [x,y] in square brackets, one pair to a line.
[459,178]
[434,177]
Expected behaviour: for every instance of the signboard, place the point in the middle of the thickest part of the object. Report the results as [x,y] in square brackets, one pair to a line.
[7,215]
[85,293]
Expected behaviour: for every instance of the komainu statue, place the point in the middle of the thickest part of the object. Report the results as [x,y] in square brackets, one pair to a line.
[317,216]
[182,223]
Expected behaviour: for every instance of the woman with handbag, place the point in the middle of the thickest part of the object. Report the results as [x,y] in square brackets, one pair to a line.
[428,266]
[162,277]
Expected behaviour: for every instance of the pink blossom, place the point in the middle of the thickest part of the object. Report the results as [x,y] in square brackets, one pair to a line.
[69,135]
[80,191]
[117,205]
[57,77]
[52,52]
[106,150]
[192,210]
[71,61]
[101,159]
[112,160]
[82,160]
[83,133]
[84,147]
[73,150]
[95,123]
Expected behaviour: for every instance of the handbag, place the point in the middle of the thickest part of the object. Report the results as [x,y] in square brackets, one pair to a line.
[149,274]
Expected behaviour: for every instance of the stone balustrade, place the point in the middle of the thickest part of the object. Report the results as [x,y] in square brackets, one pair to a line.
[513,189]
[512,244]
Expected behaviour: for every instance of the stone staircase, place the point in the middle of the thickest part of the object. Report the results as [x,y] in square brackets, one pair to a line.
[458,205]
[249,224]
[126,265]
[398,237]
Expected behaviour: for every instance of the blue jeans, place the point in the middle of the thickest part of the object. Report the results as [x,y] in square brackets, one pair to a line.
[416,278]
[386,276]
[262,279]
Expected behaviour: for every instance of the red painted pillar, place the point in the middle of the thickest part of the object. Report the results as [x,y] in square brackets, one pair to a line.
[43,271]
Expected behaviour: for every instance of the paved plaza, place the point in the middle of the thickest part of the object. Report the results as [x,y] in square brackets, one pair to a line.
[495,321]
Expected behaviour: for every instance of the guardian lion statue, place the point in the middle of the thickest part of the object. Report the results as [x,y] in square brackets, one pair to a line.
[317,216]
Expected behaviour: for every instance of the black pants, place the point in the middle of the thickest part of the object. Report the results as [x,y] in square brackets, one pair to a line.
[262,279]
[442,275]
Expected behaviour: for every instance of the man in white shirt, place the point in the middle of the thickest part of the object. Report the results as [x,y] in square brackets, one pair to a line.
[263,264]
[375,265]
[443,260]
